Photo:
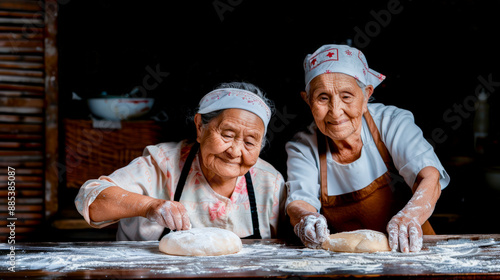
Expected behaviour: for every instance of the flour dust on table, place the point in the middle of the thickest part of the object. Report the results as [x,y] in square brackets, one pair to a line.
[257,258]
[358,241]
[208,241]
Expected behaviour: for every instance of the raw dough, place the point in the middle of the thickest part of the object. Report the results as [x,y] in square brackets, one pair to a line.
[358,241]
[209,241]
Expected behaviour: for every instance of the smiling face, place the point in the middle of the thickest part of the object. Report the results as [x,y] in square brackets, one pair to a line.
[230,143]
[337,104]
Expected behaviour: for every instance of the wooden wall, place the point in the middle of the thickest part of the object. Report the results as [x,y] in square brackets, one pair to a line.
[28,113]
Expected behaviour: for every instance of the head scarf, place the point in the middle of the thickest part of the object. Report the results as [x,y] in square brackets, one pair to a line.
[340,59]
[232,98]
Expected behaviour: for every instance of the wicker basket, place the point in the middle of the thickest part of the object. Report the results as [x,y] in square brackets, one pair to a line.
[92,152]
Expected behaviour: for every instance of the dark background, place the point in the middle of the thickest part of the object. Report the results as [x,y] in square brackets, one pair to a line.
[432,53]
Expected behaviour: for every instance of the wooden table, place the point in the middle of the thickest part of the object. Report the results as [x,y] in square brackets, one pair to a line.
[443,257]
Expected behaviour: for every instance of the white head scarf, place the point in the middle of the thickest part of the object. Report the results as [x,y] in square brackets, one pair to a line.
[232,98]
[340,59]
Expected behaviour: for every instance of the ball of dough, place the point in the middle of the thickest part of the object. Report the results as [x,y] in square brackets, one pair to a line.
[358,241]
[209,241]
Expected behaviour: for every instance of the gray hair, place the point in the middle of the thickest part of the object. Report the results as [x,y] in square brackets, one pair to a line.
[206,118]
[363,88]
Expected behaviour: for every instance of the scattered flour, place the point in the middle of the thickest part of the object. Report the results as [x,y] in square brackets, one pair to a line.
[453,256]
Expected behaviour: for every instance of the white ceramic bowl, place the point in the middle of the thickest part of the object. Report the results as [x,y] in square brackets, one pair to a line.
[119,109]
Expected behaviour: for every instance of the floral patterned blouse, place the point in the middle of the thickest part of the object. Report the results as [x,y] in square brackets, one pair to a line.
[156,174]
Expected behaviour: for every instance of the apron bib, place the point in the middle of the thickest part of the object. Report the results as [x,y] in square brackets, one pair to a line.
[250,190]
[371,207]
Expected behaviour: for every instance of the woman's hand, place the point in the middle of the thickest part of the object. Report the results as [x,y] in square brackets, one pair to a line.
[405,231]
[312,230]
[170,214]
[308,224]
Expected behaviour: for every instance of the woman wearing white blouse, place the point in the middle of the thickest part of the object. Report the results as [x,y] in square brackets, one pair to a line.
[347,163]
[218,181]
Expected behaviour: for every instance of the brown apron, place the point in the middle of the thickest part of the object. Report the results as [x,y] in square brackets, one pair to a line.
[371,207]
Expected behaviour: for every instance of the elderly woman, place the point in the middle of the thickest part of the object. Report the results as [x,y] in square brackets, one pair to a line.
[346,165]
[219,181]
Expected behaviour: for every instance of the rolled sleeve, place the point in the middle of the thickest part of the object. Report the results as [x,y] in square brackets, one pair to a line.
[141,176]
[410,151]
[87,194]
[428,158]
[303,172]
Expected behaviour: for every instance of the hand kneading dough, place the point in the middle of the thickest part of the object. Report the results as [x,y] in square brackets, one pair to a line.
[209,241]
[358,241]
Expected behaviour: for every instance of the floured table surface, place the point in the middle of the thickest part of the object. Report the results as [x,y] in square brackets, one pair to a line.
[462,256]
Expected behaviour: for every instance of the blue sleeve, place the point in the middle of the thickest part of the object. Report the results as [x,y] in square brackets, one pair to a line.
[410,151]
[303,170]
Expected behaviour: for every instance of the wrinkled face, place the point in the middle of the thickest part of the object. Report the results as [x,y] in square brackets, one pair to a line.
[230,144]
[337,104]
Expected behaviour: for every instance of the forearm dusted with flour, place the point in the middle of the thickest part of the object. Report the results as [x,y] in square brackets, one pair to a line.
[115,203]
[404,228]
[426,192]
[298,209]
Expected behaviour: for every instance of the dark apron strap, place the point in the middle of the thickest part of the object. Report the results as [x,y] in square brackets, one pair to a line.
[381,147]
[323,168]
[253,208]
[185,171]
[251,193]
